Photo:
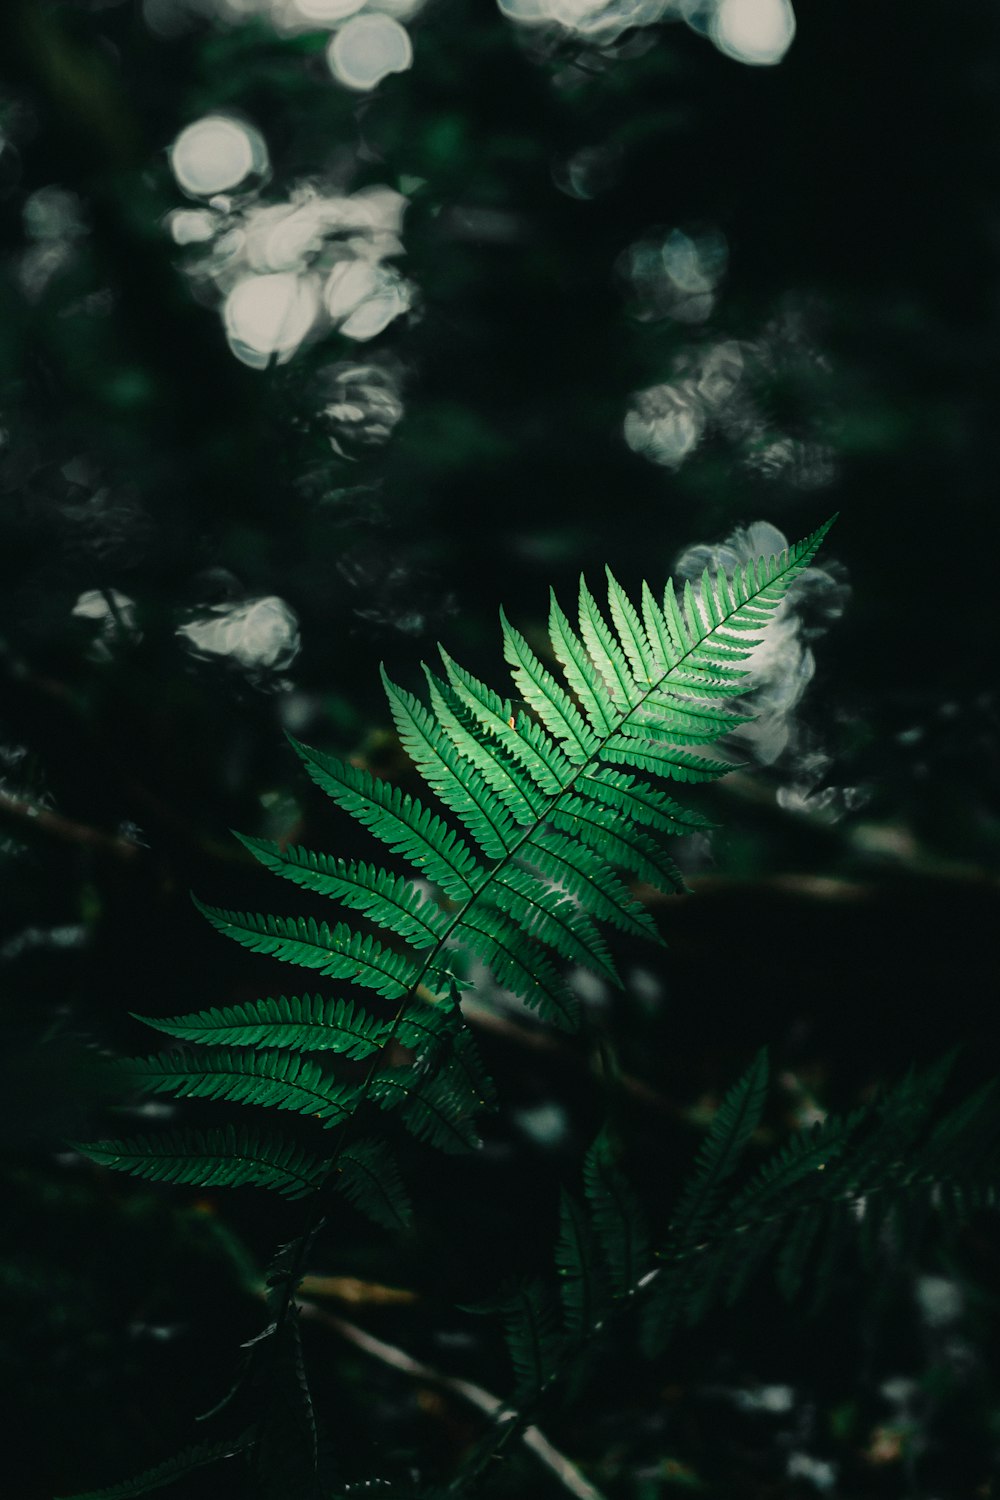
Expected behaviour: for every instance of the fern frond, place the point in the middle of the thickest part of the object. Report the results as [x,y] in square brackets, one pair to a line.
[895,1125]
[682,720]
[799,1160]
[542,693]
[638,647]
[336,951]
[286,1449]
[439,1025]
[489,754]
[636,749]
[549,916]
[536,755]
[641,802]
[606,655]
[730,1131]
[396,904]
[610,835]
[198,1456]
[967,1134]
[519,964]
[583,677]
[368,1176]
[428,1108]
[591,881]
[305,1023]
[531,1330]
[272,1079]
[618,1220]
[424,840]
[458,783]
[796,1253]
[225,1157]
[583,1285]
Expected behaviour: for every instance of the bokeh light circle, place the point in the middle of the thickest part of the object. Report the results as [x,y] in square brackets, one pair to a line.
[758,32]
[367,49]
[328,12]
[269,316]
[217,154]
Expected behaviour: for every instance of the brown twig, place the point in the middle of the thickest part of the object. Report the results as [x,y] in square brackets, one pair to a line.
[27,819]
[483,1400]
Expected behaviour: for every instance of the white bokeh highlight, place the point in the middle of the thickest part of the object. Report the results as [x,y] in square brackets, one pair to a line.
[757,32]
[268,317]
[367,48]
[216,155]
[259,636]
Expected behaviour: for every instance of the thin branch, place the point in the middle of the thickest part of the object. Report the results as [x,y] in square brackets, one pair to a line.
[562,1468]
[27,819]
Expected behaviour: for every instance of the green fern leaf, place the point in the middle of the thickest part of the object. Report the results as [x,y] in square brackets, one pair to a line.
[270,1080]
[659,632]
[611,836]
[336,951]
[663,760]
[531,1330]
[396,904]
[519,964]
[198,1456]
[557,772]
[458,783]
[896,1123]
[748,1255]
[549,916]
[225,1157]
[368,1176]
[966,1134]
[490,754]
[698,1286]
[592,882]
[428,1108]
[798,1162]
[286,1448]
[606,655]
[306,1023]
[582,676]
[543,694]
[399,820]
[733,1125]
[684,721]
[618,1219]
[441,1025]
[637,645]
[642,803]
[536,755]
[796,1253]
[583,1285]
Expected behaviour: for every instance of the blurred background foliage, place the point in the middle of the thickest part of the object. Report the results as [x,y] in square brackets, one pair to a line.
[329,326]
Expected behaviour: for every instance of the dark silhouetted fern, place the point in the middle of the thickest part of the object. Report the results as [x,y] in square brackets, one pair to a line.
[846,1186]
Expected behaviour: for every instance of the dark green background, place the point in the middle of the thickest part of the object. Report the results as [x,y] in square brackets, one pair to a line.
[857,187]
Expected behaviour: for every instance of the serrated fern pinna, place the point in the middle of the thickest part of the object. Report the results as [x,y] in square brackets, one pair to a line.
[556,814]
